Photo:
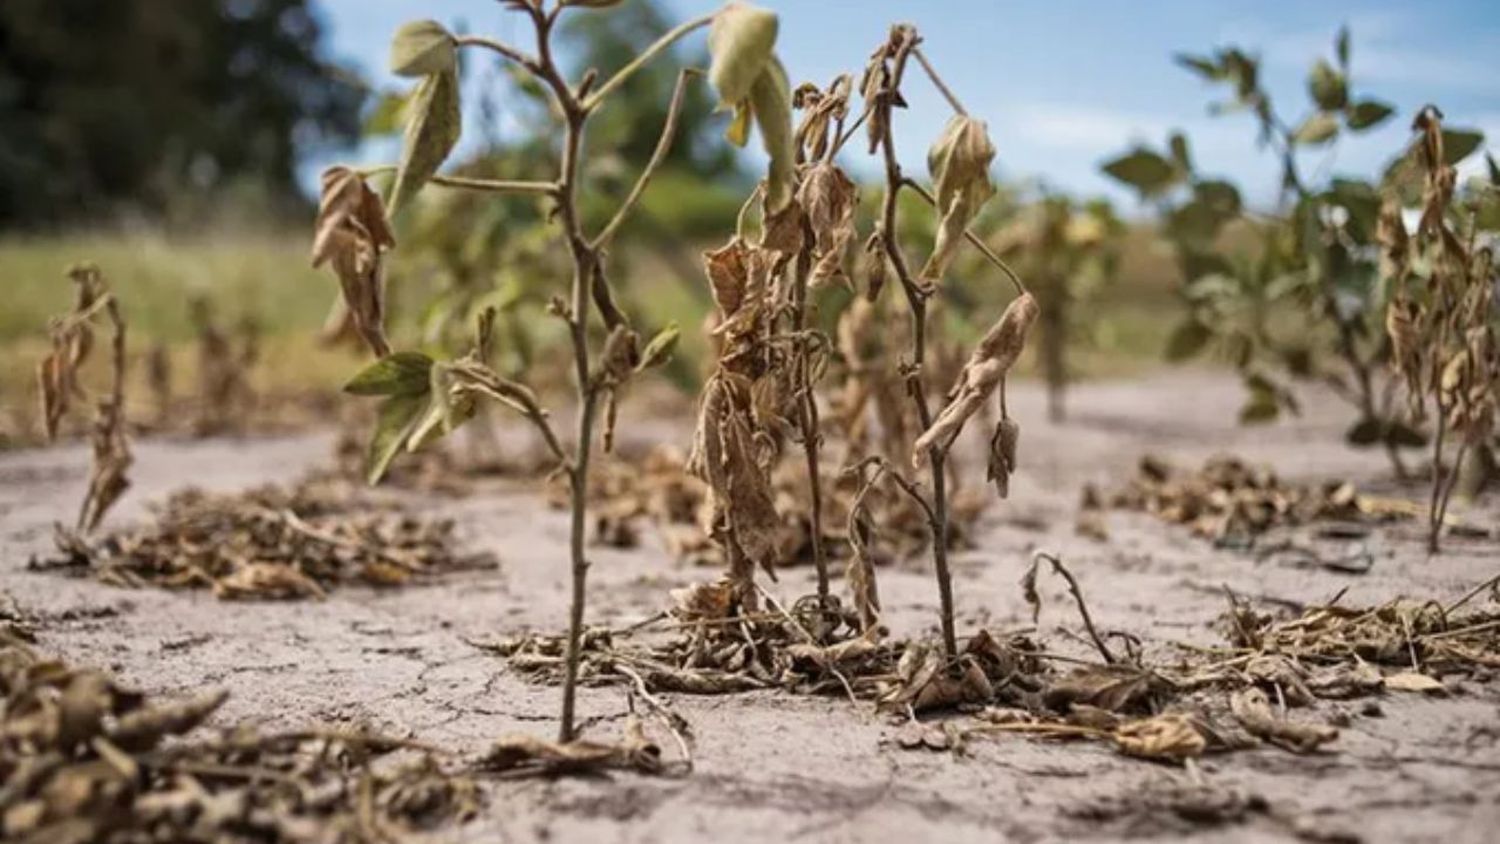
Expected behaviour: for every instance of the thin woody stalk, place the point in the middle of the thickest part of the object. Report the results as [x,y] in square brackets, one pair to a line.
[916,297]
[807,416]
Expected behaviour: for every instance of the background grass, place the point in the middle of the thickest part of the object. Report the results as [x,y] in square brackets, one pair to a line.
[266,277]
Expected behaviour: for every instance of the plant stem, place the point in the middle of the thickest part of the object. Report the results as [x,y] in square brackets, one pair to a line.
[971,237]
[916,298]
[663,146]
[651,52]
[585,267]
[937,82]
[808,415]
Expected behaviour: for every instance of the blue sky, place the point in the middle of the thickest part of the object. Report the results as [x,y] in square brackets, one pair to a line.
[1064,84]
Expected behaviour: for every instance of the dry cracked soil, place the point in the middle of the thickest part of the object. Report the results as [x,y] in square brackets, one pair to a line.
[771,766]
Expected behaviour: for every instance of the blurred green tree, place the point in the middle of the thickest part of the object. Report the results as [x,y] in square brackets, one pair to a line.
[127,105]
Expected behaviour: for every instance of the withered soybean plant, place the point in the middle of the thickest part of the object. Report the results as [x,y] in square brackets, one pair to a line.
[425,398]
[59,385]
[959,164]
[1441,317]
[768,358]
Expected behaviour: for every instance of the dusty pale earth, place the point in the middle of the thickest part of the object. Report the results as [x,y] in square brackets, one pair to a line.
[771,766]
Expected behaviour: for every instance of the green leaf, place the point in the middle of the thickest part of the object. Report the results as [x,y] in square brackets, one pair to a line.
[740,45]
[1489,161]
[1328,87]
[423,48]
[1187,339]
[1205,68]
[1458,143]
[1223,197]
[398,374]
[1143,170]
[433,124]
[1341,47]
[394,422]
[1367,114]
[771,103]
[1178,144]
[1317,129]
[385,116]
[661,347]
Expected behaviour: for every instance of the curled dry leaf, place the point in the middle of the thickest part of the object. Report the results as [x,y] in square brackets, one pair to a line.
[829,198]
[529,755]
[1002,462]
[960,166]
[1168,737]
[351,234]
[1253,710]
[824,111]
[996,353]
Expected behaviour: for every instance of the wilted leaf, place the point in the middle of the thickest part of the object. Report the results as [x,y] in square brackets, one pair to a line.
[1114,688]
[829,198]
[433,124]
[531,755]
[987,366]
[771,104]
[423,48]
[351,234]
[960,166]
[1002,463]
[741,41]
[1171,737]
[1253,710]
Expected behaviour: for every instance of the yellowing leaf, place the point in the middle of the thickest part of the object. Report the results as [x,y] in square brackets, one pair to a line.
[740,42]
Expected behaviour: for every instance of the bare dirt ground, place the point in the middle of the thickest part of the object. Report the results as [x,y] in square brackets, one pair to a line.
[772,766]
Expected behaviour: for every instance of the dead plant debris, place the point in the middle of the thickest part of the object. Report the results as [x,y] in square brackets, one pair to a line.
[654,488]
[1167,710]
[272,542]
[1232,502]
[85,759]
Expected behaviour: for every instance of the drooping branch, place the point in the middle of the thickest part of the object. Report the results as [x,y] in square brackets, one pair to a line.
[473,183]
[663,146]
[971,237]
[671,37]
[937,81]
